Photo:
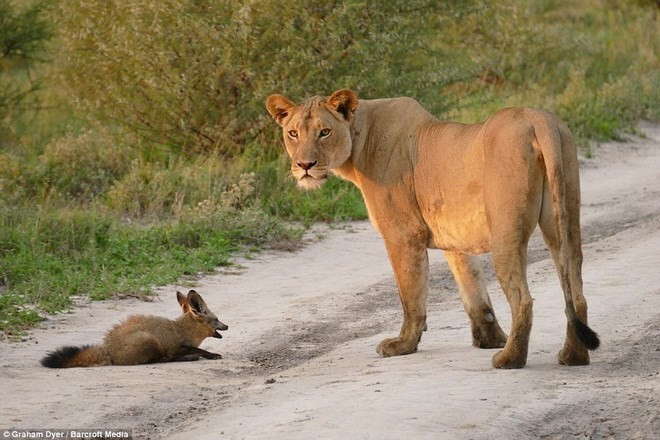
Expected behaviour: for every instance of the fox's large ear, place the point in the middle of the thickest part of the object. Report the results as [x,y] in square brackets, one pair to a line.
[279,107]
[343,101]
[183,302]
[196,302]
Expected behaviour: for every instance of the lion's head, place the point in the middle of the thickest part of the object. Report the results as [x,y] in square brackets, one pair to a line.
[316,134]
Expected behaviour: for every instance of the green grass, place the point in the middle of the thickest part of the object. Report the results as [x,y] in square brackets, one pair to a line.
[48,257]
[337,200]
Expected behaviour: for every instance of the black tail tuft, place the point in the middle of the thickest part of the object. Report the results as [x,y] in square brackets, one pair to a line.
[59,357]
[587,336]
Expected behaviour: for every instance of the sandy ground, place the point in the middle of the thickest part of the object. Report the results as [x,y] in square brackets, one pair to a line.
[300,361]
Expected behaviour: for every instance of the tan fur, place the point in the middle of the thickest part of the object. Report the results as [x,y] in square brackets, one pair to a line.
[148,339]
[466,189]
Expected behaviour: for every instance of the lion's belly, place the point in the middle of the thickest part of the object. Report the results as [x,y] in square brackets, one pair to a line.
[461,228]
[449,188]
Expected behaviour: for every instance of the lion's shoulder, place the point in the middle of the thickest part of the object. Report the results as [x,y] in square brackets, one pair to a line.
[395,117]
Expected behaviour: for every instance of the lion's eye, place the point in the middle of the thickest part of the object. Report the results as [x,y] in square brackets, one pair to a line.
[324,133]
[293,134]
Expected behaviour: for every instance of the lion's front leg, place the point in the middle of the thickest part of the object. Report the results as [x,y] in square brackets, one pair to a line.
[409,259]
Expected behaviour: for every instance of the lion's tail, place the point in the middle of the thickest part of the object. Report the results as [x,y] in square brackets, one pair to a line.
[556,166]
[68,357]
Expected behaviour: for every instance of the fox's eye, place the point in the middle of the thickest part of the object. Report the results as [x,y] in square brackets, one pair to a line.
[293,134]
[324,133]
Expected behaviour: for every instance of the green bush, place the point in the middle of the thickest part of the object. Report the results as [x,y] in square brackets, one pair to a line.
[84,166]
[194,75]
[337,200]
[512,43]
[163,188]
[24,33]
[615,106]
[594,64]
[10,174]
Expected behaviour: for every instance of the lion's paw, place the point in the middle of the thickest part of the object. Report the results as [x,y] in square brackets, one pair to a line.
[504,360]
[573,358]
[489,337]
[396,347]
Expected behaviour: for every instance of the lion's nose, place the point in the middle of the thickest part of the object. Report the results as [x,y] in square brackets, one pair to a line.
[306,165]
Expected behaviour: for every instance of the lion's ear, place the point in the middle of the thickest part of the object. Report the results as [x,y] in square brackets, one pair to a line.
[278,107]
[343,101]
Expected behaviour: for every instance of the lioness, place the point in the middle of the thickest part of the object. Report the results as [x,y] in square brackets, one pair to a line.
[466,189]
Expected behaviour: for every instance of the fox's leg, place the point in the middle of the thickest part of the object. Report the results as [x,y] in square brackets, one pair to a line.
[186,358]
[187,353]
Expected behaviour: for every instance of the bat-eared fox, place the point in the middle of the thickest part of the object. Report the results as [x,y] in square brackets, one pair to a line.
[148,339]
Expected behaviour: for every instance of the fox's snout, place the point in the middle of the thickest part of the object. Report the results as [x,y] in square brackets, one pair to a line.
[217,325]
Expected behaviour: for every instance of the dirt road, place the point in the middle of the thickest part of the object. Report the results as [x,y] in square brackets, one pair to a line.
[300,361]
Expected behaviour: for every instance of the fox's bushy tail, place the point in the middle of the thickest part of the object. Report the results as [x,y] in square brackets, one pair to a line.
[69,357]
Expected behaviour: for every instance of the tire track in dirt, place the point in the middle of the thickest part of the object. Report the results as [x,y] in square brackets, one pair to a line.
[612,397]
[302,341]
[623,409]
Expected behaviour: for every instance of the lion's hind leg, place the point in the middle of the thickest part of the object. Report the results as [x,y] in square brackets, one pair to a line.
[513,189]
[560,222]
[574,352]
[486,331]
[510,267]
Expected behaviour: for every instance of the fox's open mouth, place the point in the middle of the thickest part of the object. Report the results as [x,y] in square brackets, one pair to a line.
[219,326]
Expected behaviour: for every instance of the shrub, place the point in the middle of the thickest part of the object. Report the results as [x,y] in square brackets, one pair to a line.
[163,188]
[596,67]
[602,113]
[24,33]
[512,42]
[194,75]
[84,166]
[10,174]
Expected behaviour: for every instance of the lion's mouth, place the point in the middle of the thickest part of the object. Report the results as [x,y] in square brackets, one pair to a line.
[307,181]
[309,176]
